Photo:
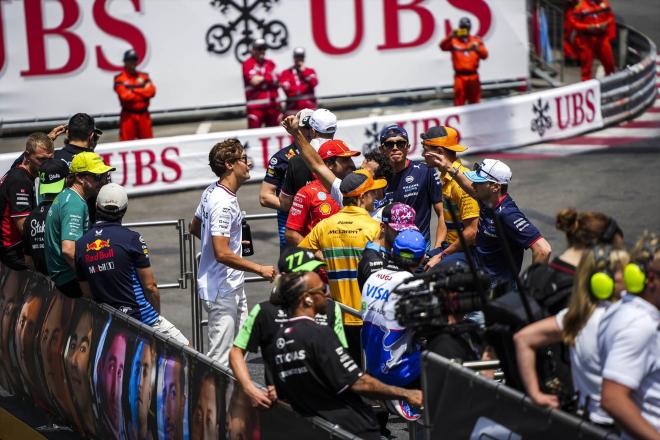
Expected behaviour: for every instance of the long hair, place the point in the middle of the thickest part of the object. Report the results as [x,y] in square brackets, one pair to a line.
[583,229]
[582,303]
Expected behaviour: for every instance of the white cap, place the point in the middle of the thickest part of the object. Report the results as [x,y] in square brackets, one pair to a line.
[259,42]
[303,116]
[323,121]
[490,170]
[299,52]
[112,199]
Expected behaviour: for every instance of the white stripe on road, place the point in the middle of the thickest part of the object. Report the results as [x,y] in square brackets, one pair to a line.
[628,132]
[204,127]
[648,116]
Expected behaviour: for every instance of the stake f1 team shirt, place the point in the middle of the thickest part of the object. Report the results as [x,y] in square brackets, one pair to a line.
[220,216]
[390,353]
[107,257]
[417,186]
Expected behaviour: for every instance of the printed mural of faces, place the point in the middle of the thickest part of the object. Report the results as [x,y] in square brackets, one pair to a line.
[207,404]
[141,390]
[172,397]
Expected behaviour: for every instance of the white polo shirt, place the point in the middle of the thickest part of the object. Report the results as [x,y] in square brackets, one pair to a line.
[220,216]
[629,347]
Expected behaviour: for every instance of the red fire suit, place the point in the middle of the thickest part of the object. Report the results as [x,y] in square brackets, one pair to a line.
[594,23]
[465,55]
[570,50]
[261,101]
[299,87]
[134,92]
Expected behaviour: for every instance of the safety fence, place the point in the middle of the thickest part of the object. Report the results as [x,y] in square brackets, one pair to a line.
[109,376]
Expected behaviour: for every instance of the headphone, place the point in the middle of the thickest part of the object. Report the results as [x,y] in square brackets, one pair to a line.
[601,283]
[634,274]
[610,231]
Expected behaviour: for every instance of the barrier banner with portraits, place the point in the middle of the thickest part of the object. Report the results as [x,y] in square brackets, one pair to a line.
[107,375]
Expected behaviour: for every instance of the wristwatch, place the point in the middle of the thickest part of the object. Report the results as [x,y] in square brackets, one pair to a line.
[453,172]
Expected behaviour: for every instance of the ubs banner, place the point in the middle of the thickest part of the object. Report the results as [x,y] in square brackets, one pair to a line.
[69,50]
[108,376]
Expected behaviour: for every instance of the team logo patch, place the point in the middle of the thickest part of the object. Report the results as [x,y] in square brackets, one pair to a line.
[273,161]
[290,153]
[410,179]
[97,245]
[280,343]
[325,208]
[322,196]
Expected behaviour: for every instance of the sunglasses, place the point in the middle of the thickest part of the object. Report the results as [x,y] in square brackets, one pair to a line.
[391,144]
[479,169]
[105,178]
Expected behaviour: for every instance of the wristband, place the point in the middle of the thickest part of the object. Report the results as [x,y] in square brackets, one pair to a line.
[454,171]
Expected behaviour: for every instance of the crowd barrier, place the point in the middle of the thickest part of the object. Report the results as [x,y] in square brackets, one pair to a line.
[110,376]
[466,405]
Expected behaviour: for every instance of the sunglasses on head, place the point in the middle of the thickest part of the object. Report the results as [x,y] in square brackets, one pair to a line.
[480,170]
[391,144]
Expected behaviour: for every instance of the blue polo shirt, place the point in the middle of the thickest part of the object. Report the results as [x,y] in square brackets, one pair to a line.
[520,235]
[417,186]
[275,173]
[107,257]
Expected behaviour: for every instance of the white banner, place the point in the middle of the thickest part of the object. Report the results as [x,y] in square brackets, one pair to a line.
[180,162]
[59,57]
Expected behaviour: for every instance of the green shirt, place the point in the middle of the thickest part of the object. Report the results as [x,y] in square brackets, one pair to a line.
[68,219]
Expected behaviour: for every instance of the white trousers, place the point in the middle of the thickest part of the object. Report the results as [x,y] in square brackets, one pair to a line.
[168,329]
[226,316]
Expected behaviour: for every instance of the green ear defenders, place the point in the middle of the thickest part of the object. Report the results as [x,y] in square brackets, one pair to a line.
[602,282]
[634,274]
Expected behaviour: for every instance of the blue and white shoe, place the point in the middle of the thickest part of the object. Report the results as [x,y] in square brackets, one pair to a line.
[402,408]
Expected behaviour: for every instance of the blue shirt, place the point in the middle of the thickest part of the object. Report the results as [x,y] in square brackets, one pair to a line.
[520,235]
[417,186]
[275,173]
[107,257]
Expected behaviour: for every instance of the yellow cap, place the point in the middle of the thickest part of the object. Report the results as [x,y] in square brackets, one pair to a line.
[88,162]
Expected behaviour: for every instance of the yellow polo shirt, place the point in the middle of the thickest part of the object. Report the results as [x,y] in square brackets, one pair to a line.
[466,206]
[342,238]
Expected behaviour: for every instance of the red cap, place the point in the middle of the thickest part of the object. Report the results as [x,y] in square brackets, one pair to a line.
[336,148]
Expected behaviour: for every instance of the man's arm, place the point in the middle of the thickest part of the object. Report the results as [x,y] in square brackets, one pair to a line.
[86,291]
[195,227]
[19,222]
[258,397]
[541,251]
[69,252]
[441,230]
[148,282]
[268,196]
[443,164]
[293,237]
[285,202]
[445,44]
[375,389]
[616,400]
[223,254]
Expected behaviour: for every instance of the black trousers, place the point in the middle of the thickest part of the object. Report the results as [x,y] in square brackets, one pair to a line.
[354,342]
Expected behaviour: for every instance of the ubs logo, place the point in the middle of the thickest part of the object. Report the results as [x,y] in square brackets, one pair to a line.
[542,121]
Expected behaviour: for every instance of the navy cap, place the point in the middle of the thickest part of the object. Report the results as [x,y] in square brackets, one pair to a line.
[393,130]
[130,55]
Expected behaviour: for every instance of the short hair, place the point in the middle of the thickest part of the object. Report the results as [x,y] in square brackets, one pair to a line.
[291,286]
[504,187]
[223,152]
[385,170]
[81,125]
[38,140]
[349,201]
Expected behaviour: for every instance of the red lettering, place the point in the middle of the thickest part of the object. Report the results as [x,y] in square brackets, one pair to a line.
[391,9]
[171,164]
[139,167]
[589,100]
[119,29]
[282,141]
[578,113]
[478,8]
[36,38]
[320,28]
[561,123]
[456,118]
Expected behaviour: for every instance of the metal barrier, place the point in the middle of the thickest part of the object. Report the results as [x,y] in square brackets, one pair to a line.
[630,91]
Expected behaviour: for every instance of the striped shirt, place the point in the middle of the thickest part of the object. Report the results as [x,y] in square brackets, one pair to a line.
[342,238]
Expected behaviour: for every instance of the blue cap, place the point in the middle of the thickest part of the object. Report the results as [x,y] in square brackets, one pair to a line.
[393,131]
[409,245]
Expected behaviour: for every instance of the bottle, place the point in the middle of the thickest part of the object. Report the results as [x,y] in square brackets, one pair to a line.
[246,237]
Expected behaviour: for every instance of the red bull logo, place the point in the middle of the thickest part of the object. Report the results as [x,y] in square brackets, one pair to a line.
[97,245]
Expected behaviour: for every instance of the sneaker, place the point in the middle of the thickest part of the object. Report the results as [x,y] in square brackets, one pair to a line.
[402,408]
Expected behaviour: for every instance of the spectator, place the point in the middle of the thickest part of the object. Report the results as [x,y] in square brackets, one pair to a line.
[113,266]
[598,282]
[267,317]
[52,176]
[466,52]
[17,198]
[323,125]
[217,222]
[275,173]
[313,371]
[312,203]
[396,217]
[260,83]
[629,346]
[414,184]
[341,239]
[444,140]
[68,219]
[298,83]
[134,90]
[489,184]
[389,352]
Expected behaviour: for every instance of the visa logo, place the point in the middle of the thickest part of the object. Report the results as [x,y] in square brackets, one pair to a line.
[376,292]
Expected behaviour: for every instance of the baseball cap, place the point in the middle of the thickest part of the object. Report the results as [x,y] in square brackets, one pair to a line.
[297,259]
[323,121]
[52,176]
[490,170]
[409,245]
[88,162]
[112,199]
[393,130]
[299,52]
[399,217]
[441,136]
[359,182]
[303,117]
[130,55]
[259,43]
[336,148]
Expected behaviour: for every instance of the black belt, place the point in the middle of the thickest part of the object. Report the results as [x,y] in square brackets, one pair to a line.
[135,112]
[465,72]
